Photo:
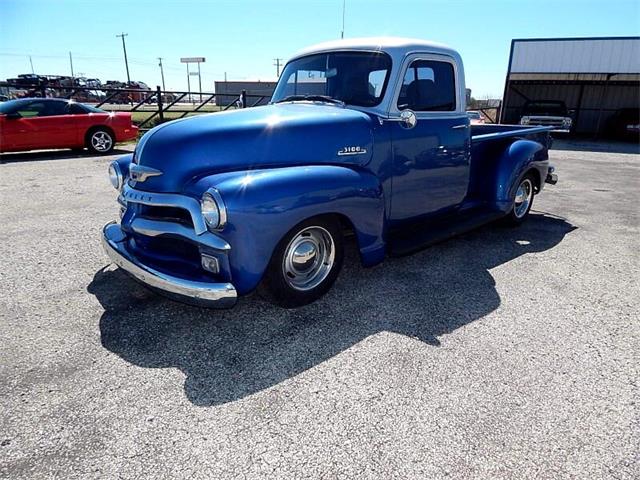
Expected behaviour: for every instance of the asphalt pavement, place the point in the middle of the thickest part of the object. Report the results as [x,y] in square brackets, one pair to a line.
[503,353]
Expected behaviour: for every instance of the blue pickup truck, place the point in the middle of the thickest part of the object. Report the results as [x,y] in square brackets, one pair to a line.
[368,137]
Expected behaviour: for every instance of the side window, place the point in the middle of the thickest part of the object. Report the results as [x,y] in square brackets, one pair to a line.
[428,86]
[33,109]
[55,108]
[75,109]
[43,109]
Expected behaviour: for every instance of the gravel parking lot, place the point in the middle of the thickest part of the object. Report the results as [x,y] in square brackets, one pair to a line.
[504,353]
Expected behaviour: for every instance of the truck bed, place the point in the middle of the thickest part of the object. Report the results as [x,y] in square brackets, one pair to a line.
[482,133]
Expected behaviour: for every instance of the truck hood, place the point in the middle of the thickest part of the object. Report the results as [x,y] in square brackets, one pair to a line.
[270,136]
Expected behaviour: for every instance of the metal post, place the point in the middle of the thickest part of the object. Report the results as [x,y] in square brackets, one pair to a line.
[31,62]
[243,99]
[199,82]
[71,63]
[188,82]
[161,72]
[126,62]
[159,95]
[602,98]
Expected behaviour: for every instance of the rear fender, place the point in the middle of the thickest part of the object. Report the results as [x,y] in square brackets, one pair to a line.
[263,205]
[516,160]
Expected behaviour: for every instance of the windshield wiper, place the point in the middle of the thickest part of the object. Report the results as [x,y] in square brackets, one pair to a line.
[311,98]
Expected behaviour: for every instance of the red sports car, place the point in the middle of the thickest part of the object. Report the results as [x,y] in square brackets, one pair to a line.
[39,123]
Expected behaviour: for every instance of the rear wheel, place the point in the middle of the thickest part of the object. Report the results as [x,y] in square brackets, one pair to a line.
[305,263]
[100,140]
[523,200]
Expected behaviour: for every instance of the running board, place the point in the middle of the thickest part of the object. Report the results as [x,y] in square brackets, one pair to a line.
[424,235]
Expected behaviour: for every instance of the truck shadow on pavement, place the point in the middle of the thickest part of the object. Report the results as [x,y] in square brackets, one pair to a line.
[228,355]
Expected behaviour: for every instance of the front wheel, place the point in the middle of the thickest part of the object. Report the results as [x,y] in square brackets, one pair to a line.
[305,263]
[523,201]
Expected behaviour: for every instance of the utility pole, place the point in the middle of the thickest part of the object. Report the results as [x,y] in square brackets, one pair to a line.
[71,63]
[31,62]
[344,4]
[161,72]
[126,63]
[277,65]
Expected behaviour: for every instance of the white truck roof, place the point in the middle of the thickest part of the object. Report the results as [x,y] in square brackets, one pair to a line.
[394,46]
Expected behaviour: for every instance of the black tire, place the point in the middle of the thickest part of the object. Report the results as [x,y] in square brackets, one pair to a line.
[282,286]
[100,140]
[519,212]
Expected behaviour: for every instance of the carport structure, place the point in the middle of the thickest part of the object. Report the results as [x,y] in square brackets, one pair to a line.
[595,77]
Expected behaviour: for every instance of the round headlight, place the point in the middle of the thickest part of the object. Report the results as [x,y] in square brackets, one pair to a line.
[115,175]
[213,209]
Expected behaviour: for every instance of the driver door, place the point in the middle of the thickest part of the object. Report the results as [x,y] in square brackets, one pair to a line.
[430,160]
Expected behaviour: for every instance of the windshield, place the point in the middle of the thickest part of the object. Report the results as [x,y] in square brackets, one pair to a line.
[355,78]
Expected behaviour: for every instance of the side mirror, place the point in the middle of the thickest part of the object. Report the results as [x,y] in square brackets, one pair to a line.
[407,119]
[13,116]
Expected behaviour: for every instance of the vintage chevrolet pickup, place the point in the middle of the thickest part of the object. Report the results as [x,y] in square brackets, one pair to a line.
[365,136]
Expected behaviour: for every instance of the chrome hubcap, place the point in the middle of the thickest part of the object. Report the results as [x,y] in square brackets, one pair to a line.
[523,198]
[101,141]
[308,258]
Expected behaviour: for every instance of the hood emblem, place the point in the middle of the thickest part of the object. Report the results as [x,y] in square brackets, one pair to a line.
[352,151]
[139,173]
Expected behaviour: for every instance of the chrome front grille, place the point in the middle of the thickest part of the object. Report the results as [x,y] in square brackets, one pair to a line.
[170,205]
[167,214]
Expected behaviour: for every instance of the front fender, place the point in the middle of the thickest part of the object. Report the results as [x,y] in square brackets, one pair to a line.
[124,162]
[263,205]
[517,158]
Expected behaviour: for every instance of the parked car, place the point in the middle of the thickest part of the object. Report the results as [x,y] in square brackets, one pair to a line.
[475,117]
[625,125]
[218,205]
[39,123]
[548,113]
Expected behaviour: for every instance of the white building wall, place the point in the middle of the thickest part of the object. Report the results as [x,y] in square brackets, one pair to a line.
[576,56]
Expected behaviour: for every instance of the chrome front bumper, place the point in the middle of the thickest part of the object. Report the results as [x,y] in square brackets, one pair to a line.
[219,295]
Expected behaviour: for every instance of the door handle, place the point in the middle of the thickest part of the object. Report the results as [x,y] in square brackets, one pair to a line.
[457,127]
